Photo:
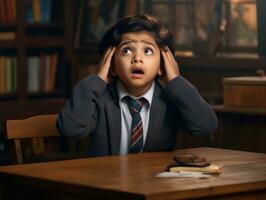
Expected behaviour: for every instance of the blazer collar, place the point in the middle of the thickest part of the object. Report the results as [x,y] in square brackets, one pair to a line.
[114,120]
[113,91]
[157,112]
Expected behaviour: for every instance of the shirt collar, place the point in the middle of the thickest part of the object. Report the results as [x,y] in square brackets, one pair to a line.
[122,92]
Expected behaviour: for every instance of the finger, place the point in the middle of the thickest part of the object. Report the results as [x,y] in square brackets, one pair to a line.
[165,57]
[103,60]
[169,59]
[110,55]
[169,53]
[171,56]
[105,55]
[163,51]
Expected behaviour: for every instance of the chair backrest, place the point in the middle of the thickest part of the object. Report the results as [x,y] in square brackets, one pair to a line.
[39,126]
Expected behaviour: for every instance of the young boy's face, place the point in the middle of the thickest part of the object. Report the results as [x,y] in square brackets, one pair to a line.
[137,61]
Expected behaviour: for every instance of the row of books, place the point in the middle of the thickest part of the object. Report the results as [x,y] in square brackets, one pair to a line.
[7,11]
[38,11]
[42,72]
[7,35]
[8,75]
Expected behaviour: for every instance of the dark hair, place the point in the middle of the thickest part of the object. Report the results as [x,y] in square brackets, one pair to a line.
[137,23]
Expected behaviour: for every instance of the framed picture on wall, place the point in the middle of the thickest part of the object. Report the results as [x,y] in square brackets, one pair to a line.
[95,17]
[208,22]
[184,28]
[241,16]
[177,17]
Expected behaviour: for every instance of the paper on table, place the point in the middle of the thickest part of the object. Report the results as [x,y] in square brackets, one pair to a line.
[183,174]
[210,169]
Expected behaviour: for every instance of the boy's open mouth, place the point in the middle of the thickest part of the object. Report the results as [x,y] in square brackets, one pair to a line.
[137,71]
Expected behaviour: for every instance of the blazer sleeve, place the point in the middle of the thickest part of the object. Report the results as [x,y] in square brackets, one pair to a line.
[79,116]
[198,116]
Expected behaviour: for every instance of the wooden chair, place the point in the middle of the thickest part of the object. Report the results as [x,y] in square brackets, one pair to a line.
[37,128]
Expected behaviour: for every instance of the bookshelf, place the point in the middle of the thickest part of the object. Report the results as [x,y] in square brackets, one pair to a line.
[35,56]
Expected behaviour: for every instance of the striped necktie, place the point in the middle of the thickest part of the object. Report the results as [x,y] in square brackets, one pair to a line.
[136,140]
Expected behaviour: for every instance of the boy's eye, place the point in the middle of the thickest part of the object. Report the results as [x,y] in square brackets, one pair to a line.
[126,50]
[148,51]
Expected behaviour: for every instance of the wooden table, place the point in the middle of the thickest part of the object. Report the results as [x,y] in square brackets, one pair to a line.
[133,177]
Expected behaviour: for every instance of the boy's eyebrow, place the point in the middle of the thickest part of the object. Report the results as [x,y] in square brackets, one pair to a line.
[150,43]
[132,41]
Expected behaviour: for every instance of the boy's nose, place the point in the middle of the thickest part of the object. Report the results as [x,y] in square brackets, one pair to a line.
[136,60]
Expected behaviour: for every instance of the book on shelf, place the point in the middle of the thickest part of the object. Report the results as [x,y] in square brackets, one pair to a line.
[38,11]
[7,75]
[7,11]
[29,12]
[10,12]
[14,10]
[46,76]
[14,74]
[8,88]
[36,7]
[52,75]
[3,17]
[2,74]
[33,74]
[49,64]
[42,72]
[46,11]
[9,35]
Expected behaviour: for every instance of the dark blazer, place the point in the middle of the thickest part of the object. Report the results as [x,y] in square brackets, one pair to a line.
[94,109]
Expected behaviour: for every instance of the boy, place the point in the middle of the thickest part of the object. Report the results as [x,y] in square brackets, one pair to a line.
[123,107]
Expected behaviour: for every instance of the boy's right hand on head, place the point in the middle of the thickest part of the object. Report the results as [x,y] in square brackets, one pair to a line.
[105,64]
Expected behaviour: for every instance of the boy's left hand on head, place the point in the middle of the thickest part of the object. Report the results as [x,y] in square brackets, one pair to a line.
[171,69]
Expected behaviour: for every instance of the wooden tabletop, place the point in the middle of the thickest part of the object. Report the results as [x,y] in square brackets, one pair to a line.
[134,176]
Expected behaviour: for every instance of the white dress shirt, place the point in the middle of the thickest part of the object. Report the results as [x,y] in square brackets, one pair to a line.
[126,118]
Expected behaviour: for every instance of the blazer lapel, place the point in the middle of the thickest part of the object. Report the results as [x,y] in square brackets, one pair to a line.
[114,121]
[157,112]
